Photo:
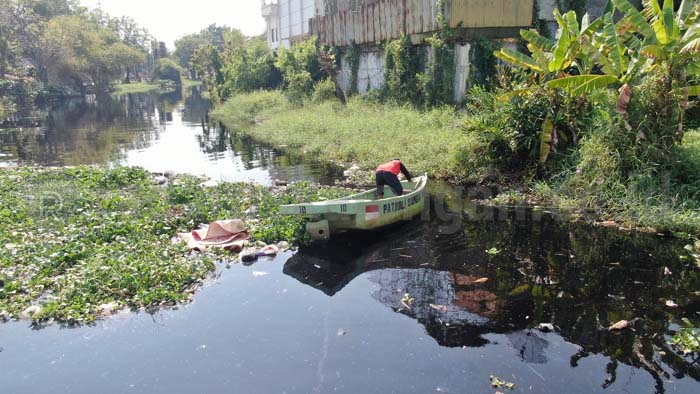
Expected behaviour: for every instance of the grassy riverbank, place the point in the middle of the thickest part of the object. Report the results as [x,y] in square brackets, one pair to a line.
[363,133]
[137,87]
[481,145]
[76,243]
[145,87]
[188,83]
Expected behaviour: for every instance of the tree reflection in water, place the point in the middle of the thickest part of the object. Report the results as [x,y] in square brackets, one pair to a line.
[576,276]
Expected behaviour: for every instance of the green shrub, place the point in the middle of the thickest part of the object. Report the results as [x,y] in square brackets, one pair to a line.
[250,68]
[488,119]
[324,90]
[166,69]
[299,87]
[302,57]
[692,114]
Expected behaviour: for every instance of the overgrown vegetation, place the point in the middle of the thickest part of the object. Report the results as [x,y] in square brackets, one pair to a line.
[363,132]
[79,242]
[622,152]
[301,68]
[167,70]
[250,67]
[221,38]
[352,60]
[482,62]
[422,75]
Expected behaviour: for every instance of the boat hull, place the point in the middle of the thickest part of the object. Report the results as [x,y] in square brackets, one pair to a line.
[361,211]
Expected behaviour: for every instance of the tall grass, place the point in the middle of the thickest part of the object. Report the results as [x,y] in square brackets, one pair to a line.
[364,133]
[665,198]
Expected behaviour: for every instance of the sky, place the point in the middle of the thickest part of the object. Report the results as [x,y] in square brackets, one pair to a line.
[168,20]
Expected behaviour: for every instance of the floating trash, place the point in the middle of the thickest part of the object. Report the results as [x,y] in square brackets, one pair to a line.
[498,383]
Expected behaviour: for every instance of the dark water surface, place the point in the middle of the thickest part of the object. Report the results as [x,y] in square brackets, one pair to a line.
[332,319]
[160,132]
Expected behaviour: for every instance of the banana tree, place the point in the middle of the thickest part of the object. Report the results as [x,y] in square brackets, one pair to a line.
[551,59]
[641,42]
[670,43]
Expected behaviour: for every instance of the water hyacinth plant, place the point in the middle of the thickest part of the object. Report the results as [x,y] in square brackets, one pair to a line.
[76,243]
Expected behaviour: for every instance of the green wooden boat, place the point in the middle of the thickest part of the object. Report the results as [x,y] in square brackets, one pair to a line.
[362,211]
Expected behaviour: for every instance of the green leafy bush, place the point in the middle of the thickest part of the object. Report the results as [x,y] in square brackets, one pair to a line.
[301,68]
[249,68]
[324,90]
[299,87]
[166,69]
[302,57]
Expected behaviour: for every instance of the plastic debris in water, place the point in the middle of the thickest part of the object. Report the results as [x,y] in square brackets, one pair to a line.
[481,280]
[621,325]
[667,271]
[270,250]
[259,273]
[441,308]
[341,332]
[493,251]
[407,301]
[546,327]
[498,383]
[671,304]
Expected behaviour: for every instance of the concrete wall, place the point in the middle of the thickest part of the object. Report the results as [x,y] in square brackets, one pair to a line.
[462,67]
[344,74]
[370,73]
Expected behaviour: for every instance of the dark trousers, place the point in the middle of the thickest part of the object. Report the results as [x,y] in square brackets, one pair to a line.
[388,179]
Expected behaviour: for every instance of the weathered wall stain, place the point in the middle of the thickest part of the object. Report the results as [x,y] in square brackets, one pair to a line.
[373,21]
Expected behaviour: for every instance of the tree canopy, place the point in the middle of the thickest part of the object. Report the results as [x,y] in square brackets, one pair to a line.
[61,43]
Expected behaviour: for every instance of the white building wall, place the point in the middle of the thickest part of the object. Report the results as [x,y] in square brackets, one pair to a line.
[309,10]
[290,22]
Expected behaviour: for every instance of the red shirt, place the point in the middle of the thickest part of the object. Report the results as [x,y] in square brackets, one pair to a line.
[393,167]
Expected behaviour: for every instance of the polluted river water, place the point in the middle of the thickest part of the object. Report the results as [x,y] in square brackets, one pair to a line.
[438,305]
